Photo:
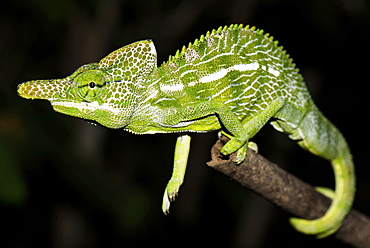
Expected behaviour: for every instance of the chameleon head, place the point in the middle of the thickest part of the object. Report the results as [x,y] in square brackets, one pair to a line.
[106,92]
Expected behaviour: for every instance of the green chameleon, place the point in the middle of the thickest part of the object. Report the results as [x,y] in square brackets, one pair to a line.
[233,79]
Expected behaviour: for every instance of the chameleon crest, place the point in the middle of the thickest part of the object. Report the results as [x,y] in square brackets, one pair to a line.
[234,79]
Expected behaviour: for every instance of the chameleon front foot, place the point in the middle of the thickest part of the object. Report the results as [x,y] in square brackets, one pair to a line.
[241,153]
[170,194]
[232,146]
[179,167]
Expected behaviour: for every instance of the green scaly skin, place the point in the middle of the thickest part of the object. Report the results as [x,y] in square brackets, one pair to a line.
[235,78]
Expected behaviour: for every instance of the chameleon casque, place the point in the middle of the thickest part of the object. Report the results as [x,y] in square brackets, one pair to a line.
[234,79]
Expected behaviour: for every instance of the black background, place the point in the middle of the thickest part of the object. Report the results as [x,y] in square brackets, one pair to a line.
[66,183]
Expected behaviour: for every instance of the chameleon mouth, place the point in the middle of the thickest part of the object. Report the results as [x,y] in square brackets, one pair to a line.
[85,106]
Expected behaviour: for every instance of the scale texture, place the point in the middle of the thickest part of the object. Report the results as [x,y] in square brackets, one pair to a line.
[234,79]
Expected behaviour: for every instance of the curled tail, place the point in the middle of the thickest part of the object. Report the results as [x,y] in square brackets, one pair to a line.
[318,135]
[341,202]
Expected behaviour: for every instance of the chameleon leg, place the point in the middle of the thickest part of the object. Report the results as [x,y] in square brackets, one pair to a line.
[237,134]
[252,126]
[240,133]
[180,161]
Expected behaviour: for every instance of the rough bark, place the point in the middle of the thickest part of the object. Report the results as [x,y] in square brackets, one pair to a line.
[288,192]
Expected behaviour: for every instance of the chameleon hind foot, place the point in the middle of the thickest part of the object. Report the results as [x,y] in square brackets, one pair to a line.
[329,193]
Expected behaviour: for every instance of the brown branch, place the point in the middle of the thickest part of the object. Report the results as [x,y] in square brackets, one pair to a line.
[288,192]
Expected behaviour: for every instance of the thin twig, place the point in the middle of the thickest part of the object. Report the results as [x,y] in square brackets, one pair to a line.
[288,192]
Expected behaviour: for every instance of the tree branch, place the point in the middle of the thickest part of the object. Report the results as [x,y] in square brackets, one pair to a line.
[288,192]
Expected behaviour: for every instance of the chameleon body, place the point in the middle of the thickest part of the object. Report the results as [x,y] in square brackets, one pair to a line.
[234,79]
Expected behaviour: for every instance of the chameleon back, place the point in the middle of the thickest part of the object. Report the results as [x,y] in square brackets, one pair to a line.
[248,72]
[237,66]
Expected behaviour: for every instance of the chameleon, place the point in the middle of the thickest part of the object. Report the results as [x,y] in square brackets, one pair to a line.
[234,79]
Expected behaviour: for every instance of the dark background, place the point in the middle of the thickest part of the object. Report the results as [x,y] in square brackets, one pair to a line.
[66,183]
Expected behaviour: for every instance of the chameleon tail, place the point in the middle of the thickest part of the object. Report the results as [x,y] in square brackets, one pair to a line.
[323,139]
[340,206]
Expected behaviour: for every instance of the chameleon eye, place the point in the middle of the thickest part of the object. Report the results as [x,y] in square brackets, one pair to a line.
[89,84]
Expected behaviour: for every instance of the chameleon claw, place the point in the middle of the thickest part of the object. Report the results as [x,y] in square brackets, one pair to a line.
[241,153]
[253,146]
[170,194]
[166,203]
